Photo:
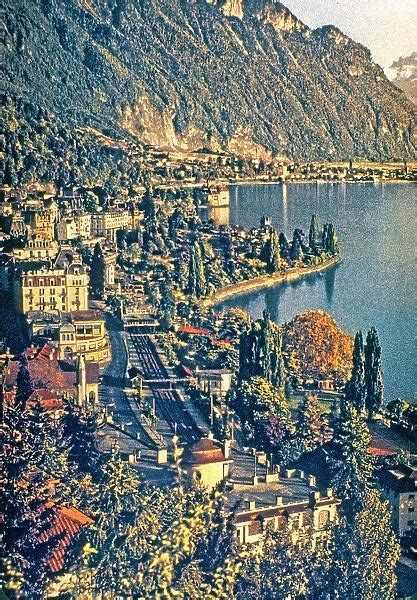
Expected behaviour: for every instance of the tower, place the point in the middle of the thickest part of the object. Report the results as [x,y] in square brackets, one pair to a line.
[81,382]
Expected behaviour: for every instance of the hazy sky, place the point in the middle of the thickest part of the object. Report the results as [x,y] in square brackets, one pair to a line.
[387,27]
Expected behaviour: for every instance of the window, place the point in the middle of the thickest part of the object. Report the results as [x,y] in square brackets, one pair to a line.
[256,526]
[411,497]
[324,518]
[411,509]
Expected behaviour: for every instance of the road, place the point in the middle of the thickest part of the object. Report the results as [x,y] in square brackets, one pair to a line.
[113,382]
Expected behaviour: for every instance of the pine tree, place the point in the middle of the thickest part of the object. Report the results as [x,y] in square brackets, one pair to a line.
[312,429]
[97,273]
[355,388]
[373,374]
[313,234]
[24,385]
[79,428]
[353,464]
[26,515]
[365,554]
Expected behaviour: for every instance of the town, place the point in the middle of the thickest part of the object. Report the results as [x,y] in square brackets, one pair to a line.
[111,338]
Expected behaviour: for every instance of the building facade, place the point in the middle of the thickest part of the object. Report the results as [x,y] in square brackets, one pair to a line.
[51,289]
[399,487]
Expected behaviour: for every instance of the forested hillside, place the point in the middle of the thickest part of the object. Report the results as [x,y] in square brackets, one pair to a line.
[245,75]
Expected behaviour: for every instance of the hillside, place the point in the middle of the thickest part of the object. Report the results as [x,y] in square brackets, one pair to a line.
[245,75]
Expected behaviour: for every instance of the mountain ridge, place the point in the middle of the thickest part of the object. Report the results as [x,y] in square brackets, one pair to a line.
[186,75]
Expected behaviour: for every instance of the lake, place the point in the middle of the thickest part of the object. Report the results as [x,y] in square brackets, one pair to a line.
[375,285]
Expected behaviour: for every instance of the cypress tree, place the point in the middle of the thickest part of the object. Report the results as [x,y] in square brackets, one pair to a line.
[355,388]
[373,374]
[313,234]
[272,253]
[284,247]
[296,250]
[260,352]
[329,239]
[197,275]
[97,273]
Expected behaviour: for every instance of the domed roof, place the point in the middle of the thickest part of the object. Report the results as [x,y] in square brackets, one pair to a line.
[203,452]
[67,328]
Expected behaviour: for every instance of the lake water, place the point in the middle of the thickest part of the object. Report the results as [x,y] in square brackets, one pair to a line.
[375,285]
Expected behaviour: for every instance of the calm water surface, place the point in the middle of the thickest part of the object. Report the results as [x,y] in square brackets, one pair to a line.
[375,285]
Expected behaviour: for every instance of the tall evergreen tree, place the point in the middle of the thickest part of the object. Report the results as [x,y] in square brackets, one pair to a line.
[355,388]
[373,374]
[197,276]
[296,247]
[271,253]
[365,553]
[260,352]
[97,273]
[353,464]
[313,428]
[284,247]
[24,384]
[79,428]
[26,516]
[329,239]
[313,235]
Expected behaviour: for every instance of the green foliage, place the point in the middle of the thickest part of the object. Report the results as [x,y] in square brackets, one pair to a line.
[353,464]
[329,240]
[97,59]
[373,374]
[355,388]
[97,273]
[79,428]
[312,428]
[263,411]
[313,234]
[197,281]
[26,516]
[366,552]
[260,352]
[271,253]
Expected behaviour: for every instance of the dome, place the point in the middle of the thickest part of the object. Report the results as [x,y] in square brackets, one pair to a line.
[204,452]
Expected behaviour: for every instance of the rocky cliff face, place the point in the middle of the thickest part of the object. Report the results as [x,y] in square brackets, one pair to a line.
[206,72]
[406,77]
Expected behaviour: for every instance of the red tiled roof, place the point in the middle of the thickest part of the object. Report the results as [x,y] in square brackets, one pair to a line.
[68,521]
[48,400]
[195,331]
[204,452]
[47,371]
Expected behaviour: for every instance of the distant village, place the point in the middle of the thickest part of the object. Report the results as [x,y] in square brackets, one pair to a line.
[108,302]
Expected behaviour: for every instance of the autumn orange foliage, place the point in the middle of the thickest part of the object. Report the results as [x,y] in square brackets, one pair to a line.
[320,347]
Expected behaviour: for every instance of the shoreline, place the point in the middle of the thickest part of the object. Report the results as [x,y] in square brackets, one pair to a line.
[316,181]
[266,281]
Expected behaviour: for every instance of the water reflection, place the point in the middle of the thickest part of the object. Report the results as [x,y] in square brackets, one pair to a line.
[373,285]
[329,281]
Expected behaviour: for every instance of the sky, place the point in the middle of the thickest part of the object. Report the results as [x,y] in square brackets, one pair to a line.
[387,27]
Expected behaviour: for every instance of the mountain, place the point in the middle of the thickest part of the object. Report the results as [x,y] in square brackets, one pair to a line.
[242,75]
[406,75]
